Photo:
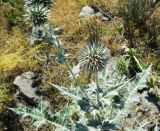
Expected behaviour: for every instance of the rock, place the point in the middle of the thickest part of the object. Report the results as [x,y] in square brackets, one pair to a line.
[103,13]
[86,11]
[150,103]
[28,84]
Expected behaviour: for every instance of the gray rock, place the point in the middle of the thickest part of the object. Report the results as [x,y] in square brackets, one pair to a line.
[148,103]
[86,11]
[102,13]
[28,84]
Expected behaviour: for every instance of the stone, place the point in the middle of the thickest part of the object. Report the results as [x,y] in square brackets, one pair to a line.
[150,103]
[102,13]
[28,86]
[86,11]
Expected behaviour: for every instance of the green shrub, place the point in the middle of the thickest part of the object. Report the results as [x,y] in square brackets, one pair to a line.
[135,14]
[13,11]
[103,104]
[135,11]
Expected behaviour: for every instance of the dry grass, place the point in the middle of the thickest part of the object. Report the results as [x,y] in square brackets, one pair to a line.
[75,32]
[15,53]
[65,13]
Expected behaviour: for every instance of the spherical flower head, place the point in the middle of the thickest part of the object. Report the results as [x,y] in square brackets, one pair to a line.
[37,15]
[94,57]
[45,3]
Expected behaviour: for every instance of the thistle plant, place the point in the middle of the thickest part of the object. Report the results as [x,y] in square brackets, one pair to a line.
[94,57]
[103,105]
[37,15]
[116,97]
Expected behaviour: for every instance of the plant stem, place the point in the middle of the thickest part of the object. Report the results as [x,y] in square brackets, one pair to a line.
[138,63]
[70,70]
[110,116]
[76,80]
[97,85]
[60,49]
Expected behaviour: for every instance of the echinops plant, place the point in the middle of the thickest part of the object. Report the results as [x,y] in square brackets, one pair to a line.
[117,95]
[102,105]
[37,15]
[94,57]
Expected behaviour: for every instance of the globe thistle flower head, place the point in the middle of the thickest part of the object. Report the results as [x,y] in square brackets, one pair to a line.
[94,57]
[37,15]
[45,3]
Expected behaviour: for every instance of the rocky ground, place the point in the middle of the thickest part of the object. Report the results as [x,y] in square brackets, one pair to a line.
[25,72]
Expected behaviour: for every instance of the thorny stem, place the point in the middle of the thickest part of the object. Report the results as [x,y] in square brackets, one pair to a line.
[70,70]
[97,85]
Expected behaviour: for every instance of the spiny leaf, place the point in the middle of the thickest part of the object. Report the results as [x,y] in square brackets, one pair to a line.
[70,92]
[131,96]
[40,116]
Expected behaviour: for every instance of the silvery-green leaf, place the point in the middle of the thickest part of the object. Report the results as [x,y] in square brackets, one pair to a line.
[157,128]
[73,93]
[138,83]
[84,104]
[95,112]
[40,116]
[75,70]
